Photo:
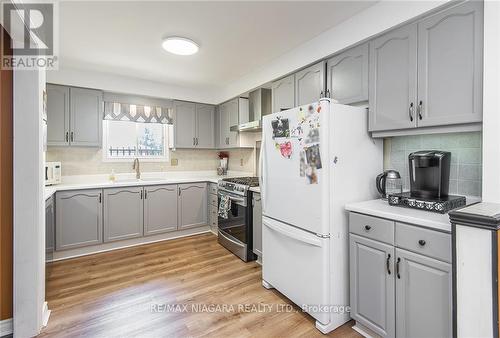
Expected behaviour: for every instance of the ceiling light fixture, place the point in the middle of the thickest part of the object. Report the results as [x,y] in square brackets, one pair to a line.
[180,46]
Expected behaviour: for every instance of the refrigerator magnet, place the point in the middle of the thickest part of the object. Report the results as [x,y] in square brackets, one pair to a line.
[280,128]
[313,156]
[286,149]
[311,175]
[303,165]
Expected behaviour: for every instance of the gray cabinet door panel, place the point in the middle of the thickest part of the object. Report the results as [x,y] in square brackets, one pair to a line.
[347,75]
[371,284]
[283,94]
[257,224]
[184,124]
[450,66]
[57,115]
[49,225]
[233,120]
[86,117]
[309,84]
[393,80]
[160,209]
[205,126]
[224,125]
[78,218]
[424,296]
[123,213]
[192,205]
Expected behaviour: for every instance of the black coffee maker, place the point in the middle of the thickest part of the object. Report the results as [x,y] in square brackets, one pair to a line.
[429,174]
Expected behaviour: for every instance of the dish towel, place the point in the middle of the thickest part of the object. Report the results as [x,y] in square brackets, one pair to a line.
[224,206]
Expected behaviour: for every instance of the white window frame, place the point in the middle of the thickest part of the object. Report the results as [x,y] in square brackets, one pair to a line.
[105,147]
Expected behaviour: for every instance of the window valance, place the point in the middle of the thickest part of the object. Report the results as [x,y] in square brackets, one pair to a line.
[117,111]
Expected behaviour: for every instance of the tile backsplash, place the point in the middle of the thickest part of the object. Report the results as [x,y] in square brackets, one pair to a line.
[466,158]
[88,161]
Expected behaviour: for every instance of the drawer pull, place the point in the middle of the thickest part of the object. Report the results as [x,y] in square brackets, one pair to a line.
[397,268]
[387,263]
[421,242]
[367,227]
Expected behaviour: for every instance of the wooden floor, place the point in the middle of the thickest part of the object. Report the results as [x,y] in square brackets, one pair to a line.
[121,294]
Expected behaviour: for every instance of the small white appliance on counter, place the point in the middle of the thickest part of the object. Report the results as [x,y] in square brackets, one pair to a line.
[52,173]
[315,159]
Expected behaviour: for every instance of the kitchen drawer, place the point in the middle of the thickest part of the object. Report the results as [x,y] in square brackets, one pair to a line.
[372,227]
[213,216]
[212,188]
[427,242]
[212,199]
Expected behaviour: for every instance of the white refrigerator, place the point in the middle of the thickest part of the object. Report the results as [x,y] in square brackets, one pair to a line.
[314,159]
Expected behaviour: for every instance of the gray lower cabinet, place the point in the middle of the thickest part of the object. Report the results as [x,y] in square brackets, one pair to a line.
[372,284]
[393,80]
[160,209]
[74,116]
[257,224]
[283,94]
[450,66]
[192,205]
[310,84]
[78,218]
[123,213]
[50,223]
[423,296]
[347,75]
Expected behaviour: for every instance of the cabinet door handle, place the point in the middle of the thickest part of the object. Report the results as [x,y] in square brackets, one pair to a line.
[387,263]
[421,242]
[419,109]
[410,111]
[67,136]
[72,136]
[145,194]
[397,268]
[141,194]
[100,197]
[367,227]
[179,191]
[196,141]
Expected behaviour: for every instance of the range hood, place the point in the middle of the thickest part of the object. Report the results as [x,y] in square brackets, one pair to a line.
[259,104]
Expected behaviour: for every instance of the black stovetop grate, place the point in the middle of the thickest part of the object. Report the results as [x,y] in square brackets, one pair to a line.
[249,181]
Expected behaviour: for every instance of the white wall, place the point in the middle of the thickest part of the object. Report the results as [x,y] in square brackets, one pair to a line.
[128,85]
[29,205]
[372,21]
[491,102]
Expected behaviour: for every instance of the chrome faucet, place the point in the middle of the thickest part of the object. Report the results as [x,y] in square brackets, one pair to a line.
[137,169]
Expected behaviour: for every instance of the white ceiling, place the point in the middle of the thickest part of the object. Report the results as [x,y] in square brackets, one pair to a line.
[124,37]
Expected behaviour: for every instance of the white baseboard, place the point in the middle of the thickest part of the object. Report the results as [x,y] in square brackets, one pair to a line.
[6,327]
[45,314]
[89,250]
[364,331]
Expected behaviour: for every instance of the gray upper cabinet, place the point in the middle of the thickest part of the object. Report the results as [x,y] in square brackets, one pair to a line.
[57,115]
[205,117]
[423,296]
[123,213]
[310,84]
[74,116]
[184,124]
[86,116]
[160,209]
[393,80]
[283,94]
[372,285]
[450,62]
[78,218]
[257,224]
[228,117]
[192,205]
[347,75]
[194,125]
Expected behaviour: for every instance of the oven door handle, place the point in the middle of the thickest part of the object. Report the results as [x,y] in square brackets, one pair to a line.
[234,199]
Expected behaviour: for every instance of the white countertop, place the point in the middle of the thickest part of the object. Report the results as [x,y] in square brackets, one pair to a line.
[381,208]
[78,182]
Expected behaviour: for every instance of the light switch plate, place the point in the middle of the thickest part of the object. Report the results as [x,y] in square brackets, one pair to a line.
[174,162]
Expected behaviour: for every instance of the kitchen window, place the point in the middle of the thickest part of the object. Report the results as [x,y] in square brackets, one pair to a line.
[126,139]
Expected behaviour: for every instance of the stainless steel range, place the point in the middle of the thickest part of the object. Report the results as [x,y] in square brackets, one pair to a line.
[235,231]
